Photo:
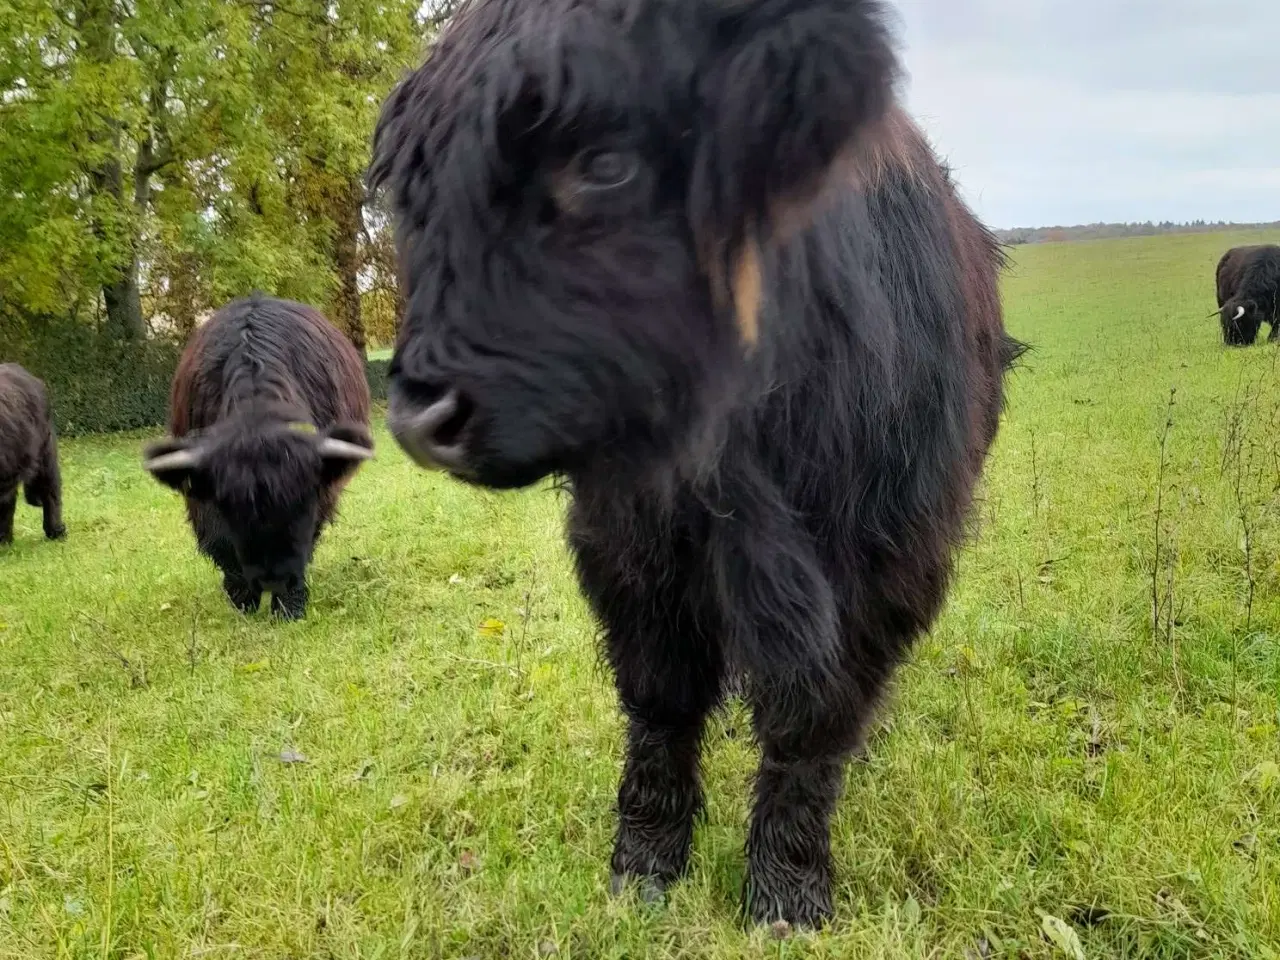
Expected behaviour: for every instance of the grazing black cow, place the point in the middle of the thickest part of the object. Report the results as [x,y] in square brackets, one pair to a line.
[28,452]
[269,416]
[690,256]
[1248,285]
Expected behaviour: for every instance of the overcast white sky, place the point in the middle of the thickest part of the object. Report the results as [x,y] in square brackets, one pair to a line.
[1074,111]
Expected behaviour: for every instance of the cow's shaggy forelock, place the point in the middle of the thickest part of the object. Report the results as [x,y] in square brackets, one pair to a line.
[259,499]
[576,328]
[260,465]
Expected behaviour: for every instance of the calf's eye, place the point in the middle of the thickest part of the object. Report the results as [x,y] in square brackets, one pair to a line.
[602,169]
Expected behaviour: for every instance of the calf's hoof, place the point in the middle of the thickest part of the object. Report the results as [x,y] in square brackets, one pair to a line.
[802,902]
[243,597]
[56,533]
[649,856]
[649,889]
[289,606]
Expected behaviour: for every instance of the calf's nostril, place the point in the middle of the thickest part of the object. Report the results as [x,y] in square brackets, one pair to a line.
[449,429]
[439,424]
[429,422]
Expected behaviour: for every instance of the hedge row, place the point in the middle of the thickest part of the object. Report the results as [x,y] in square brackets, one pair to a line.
[375,371]
[99,386]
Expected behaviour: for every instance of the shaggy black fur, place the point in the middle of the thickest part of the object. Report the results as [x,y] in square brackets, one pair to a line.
[261,390]
[28,452]
[1248,278]
[689,255]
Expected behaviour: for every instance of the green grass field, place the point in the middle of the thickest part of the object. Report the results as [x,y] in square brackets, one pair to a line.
[426,766]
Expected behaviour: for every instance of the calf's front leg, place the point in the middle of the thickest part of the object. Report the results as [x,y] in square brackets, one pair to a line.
[242,595]
[669,672]
[658,799]
[782,622]
[670,676]
[808,729]
[668,681]
[789,840]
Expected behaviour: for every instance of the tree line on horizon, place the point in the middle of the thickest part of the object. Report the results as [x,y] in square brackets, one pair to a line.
[1100,231]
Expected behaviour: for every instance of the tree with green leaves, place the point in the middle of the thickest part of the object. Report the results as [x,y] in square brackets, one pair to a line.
[158,159]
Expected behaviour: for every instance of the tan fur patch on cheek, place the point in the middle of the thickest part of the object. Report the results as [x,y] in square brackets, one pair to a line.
[747,286]
[565,192]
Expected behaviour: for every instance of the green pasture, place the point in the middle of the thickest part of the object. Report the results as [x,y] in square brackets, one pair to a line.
[426,766]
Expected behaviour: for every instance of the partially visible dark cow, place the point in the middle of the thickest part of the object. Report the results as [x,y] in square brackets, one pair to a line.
[1248,284]
[28,452]
[269,414]
[690,255]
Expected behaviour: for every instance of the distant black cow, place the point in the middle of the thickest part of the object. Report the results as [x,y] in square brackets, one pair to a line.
[269,414]
[689,255]
[1248,282]
[28,452]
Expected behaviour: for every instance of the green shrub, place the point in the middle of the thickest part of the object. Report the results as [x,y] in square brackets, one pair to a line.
[119,388]
[102,386]
[98,385]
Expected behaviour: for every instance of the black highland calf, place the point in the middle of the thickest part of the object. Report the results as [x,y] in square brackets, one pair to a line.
[691,256]
[269,417]
[28,452]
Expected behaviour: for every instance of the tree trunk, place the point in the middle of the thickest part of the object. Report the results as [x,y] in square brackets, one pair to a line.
[124,304]
[116,229]
[184,290]
[348,222]
[401,307]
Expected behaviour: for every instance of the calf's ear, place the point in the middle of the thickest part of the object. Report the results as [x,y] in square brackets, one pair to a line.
[343,447]
[175,462]
[789,88]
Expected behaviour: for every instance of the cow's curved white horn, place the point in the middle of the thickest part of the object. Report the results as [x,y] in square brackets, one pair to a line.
[342,450]
[178,460]
[1239,313]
